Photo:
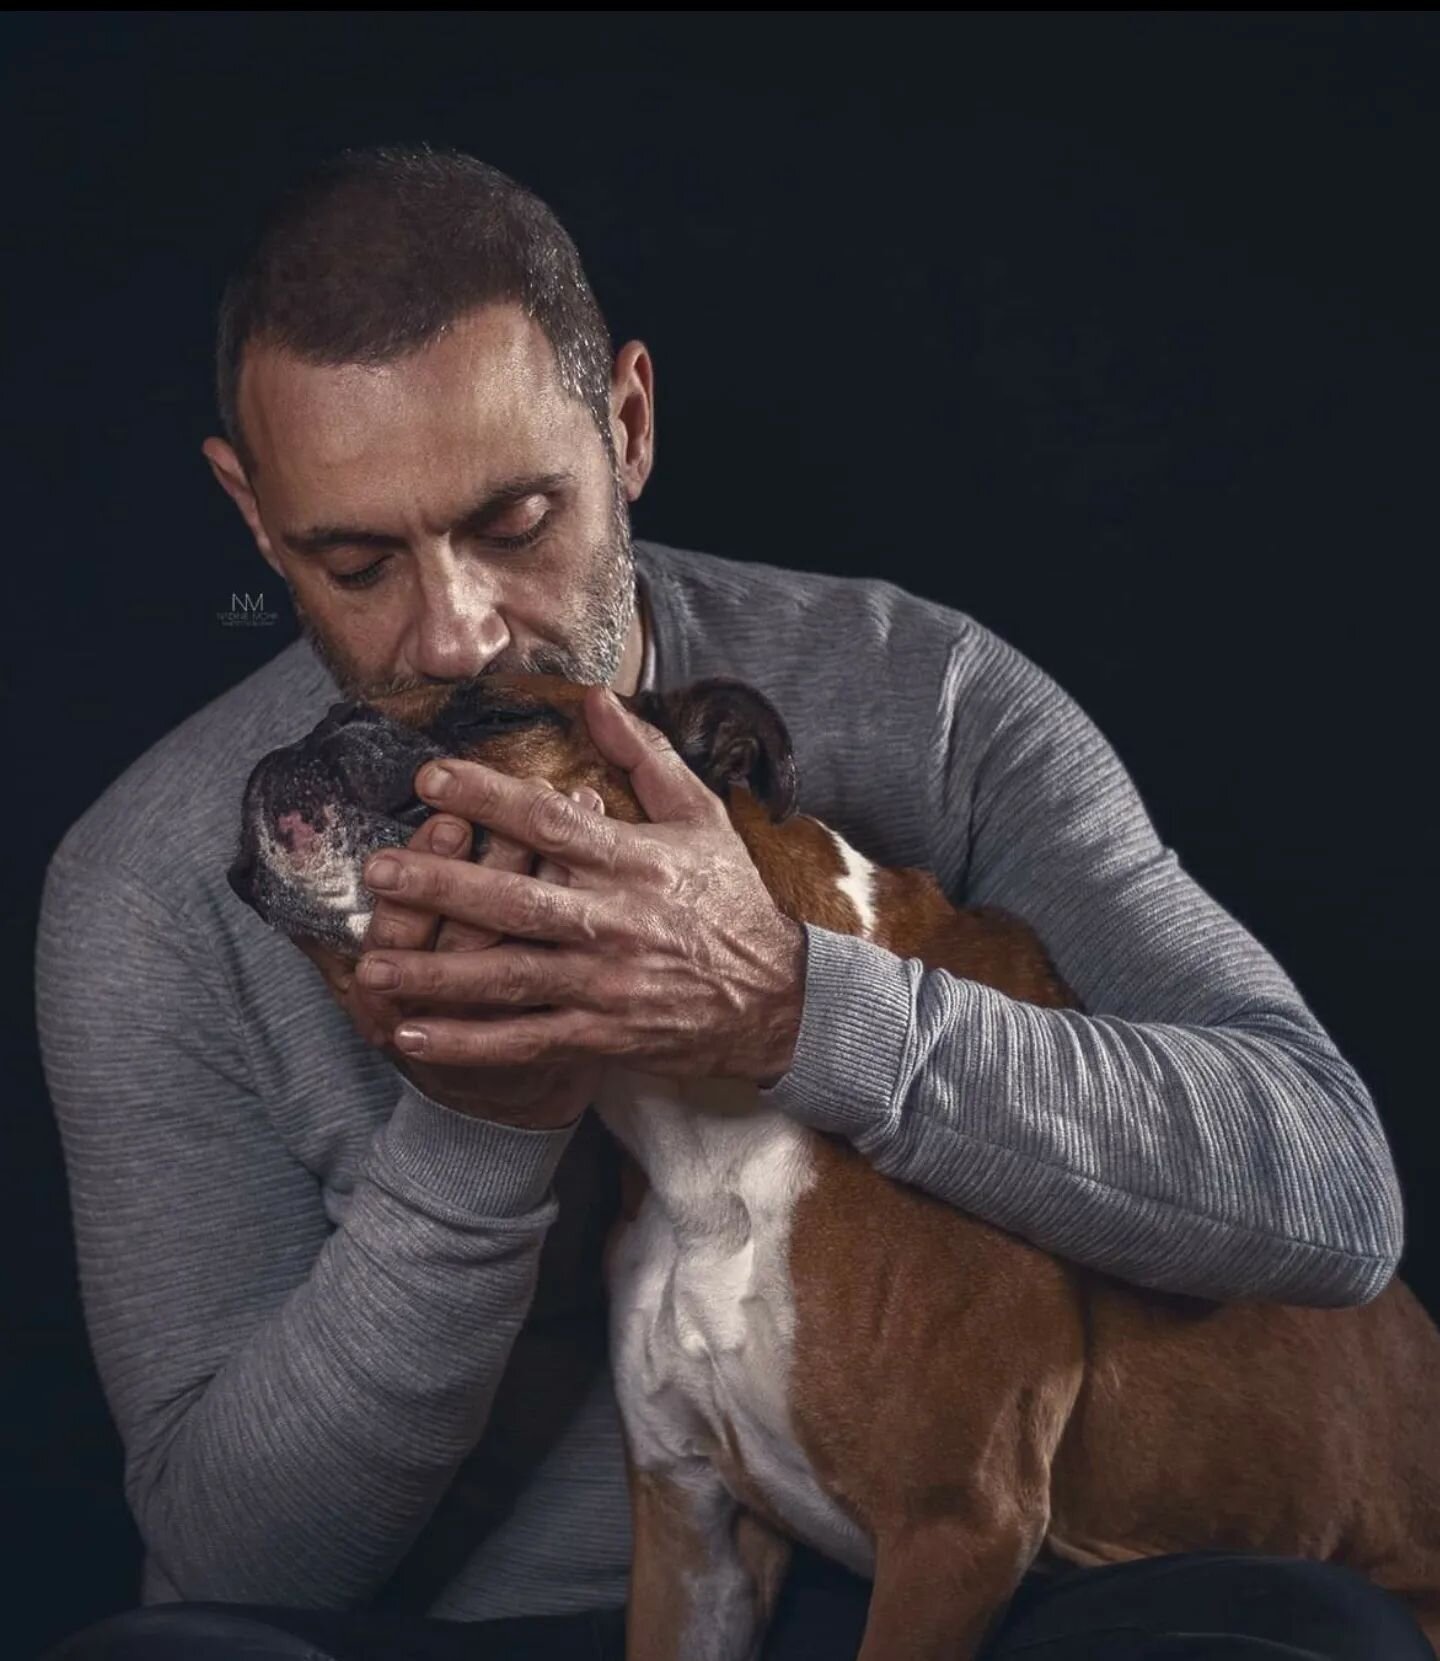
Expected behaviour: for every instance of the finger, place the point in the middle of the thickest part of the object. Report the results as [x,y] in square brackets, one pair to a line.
[503,901]
[500,854]
[393,923]
[444,833]
[664,786]
[528,1040]
[530,811]
[547,870]
[512,974]
[339,972]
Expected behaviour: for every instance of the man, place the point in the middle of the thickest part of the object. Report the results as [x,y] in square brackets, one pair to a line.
[343,1293]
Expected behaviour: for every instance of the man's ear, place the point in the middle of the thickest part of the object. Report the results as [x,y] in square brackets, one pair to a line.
[229,471]
[632,416]
[728,733]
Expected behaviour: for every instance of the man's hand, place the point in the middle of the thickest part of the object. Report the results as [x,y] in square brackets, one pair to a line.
[665,953]
[541,1098]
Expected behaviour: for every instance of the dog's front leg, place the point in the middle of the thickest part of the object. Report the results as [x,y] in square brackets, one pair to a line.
[705,1571]
[941,1584]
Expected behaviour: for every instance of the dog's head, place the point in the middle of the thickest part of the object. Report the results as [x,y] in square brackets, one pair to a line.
[314,811]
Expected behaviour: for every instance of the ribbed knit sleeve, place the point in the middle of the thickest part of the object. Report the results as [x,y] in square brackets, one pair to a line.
[293,1397]
[1194,1130]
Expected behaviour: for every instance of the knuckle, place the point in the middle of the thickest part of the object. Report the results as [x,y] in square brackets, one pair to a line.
[475,787]
[665,869]
[551,818]
[628,1044]
[512,984]
[530,905]
[461,937]
[393,926]
[607,841]
[530,1049]
[653,738]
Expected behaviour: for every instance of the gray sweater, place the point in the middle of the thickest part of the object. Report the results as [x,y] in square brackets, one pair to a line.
[354,1341]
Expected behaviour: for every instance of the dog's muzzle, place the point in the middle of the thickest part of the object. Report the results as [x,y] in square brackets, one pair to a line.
[315,811]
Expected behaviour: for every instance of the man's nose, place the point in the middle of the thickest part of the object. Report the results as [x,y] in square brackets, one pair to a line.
[458,629]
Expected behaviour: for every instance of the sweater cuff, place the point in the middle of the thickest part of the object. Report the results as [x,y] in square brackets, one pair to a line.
[459,1163]
[854,1028]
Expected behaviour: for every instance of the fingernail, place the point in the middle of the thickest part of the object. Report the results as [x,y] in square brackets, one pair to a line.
[448,838]
[379,972]
[436,780]
[409,1038]
[383,873]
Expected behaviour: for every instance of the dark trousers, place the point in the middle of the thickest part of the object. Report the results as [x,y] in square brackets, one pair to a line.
[1206,1606]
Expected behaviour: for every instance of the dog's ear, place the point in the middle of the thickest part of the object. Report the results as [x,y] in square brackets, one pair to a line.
[728,733]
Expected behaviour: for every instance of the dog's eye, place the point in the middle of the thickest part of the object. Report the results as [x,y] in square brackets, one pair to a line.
[493,717]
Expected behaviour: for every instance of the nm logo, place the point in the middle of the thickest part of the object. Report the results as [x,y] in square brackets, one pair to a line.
[247,612]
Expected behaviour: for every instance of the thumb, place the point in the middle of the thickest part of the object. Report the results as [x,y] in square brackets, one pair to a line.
[664,786]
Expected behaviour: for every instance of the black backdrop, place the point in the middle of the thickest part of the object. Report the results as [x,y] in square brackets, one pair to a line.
[1116,331]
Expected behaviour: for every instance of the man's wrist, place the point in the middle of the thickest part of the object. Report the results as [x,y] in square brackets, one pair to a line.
[859,1001]
[448,1162]
[785,1012]
[549,1106]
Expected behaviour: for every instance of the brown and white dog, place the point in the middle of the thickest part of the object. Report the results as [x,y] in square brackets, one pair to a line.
[803,1348]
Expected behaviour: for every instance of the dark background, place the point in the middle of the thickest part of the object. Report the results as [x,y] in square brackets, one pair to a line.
[1117,332]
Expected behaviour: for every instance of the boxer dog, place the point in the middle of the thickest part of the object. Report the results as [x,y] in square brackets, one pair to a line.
[804,1348]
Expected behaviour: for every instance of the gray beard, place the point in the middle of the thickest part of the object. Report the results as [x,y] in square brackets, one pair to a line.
[590,658]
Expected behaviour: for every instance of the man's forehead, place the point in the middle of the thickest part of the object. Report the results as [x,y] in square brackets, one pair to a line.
[487,386]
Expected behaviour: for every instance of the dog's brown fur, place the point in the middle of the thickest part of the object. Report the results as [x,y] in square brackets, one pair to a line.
[975,1403]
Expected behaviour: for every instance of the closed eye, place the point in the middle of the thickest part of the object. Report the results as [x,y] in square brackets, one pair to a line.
[525,538]
[359,579]
[371,573]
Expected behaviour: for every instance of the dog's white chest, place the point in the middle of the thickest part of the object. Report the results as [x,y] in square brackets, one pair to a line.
[702,1312]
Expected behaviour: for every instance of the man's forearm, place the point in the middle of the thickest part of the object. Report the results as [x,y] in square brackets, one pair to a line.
[1235,1162]
[305,1467]
[293,1396]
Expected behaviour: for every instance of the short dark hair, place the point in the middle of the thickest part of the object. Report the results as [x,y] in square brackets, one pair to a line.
[371,254]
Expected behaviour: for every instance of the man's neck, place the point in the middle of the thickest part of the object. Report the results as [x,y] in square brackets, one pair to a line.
[632,658]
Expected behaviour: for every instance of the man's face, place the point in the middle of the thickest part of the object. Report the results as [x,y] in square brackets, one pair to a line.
[449,514]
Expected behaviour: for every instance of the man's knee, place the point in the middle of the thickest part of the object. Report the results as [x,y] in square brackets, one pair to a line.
[186,1632]
[1234,1603]
[1333,1606]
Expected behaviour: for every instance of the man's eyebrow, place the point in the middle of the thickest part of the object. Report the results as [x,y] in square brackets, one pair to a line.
[315,539]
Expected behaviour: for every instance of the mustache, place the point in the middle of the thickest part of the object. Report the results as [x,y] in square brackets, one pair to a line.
[544,659]
[540,660]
